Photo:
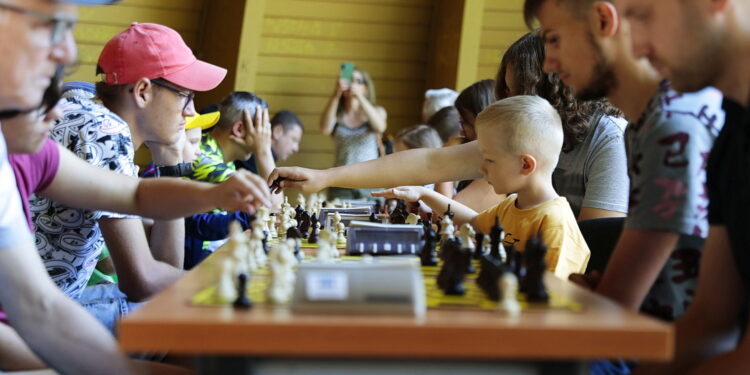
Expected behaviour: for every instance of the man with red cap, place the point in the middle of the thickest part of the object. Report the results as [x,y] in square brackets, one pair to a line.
[148,79]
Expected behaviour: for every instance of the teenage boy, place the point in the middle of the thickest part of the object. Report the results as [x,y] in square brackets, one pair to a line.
[520,139]
[148,76]
[696,43]
[588,45]
[286,134]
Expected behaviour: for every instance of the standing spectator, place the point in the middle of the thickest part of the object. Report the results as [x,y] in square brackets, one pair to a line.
[355,123]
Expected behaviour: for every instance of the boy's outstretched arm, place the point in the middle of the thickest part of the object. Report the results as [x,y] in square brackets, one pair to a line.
[420,166]
[436,201]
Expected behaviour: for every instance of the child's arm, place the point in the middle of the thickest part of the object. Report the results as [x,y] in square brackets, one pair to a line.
[436,201]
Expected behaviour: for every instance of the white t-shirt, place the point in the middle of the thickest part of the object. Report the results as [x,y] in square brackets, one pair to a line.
[13,227]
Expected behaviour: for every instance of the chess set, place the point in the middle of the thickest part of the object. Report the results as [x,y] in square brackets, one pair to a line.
[460,271]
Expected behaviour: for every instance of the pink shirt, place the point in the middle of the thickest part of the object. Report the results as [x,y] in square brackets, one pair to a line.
[34,172]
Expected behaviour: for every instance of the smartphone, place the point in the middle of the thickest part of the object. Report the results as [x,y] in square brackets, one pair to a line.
[347,70]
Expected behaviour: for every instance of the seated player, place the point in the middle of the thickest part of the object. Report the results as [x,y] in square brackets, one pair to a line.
[286,134]
[519,139]
[423,136]
[44,167]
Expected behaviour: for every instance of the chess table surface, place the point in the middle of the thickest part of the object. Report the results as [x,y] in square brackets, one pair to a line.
[600,329]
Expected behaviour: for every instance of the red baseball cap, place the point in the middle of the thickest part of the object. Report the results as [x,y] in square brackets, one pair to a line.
[149,50]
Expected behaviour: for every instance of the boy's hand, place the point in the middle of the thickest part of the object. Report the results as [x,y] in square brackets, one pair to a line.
[244,191]
[257,130]
[303,179]
[589,281]
[407,193]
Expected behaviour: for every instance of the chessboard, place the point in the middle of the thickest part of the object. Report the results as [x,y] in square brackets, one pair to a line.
[474,298]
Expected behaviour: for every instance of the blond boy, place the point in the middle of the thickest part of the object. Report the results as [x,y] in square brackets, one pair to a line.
[520,139]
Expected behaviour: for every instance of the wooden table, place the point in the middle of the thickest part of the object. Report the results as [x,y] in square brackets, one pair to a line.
[601,330]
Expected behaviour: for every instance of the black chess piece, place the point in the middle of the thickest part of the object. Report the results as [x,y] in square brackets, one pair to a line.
[449,213]
[428,255]
[495,238]
[294,233]
[374,218]
[314,219]
[490,271]
[264,241]
[242,301]
[398,216]
[297,212]
[519,268]
[479,250]
[378,208]
[313,238]
[324,204]
[533,283]
[452,274]
[304,223]
[469,256]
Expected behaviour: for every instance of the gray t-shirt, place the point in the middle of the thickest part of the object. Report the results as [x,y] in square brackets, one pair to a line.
[68,239]
[667,153]
[354,145]
[594,173]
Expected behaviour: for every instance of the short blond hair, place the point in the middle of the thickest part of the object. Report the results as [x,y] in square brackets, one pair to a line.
[528,125]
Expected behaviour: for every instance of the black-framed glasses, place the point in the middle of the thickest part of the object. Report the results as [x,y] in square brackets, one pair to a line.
[188,95]
[58,25]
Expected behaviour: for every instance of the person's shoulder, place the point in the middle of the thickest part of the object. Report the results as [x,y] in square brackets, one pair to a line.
[607,128]
[688,112]
[557,212]
[90,113]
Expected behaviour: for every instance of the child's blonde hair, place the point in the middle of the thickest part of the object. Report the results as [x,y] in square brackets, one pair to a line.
[420,136]
[528,125]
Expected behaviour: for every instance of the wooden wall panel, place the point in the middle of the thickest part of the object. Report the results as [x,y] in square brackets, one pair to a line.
[502,24]
[303,43]
[99,24]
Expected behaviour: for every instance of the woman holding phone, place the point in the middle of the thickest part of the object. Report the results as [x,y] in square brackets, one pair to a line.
[354,122]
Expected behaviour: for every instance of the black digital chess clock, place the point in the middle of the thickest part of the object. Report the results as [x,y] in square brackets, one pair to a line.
[384,239]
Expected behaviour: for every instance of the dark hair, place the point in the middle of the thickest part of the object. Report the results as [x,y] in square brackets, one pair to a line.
[577,8]
[232,105]
[475,98]
[286,119]
[108,94]
[419,136]
[526,58]
[446,123]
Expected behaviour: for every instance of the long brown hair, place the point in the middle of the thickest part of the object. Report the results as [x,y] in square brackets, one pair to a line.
[526,60]
[370,94]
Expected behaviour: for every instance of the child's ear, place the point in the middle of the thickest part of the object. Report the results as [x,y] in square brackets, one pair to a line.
[528,164]
[238,129]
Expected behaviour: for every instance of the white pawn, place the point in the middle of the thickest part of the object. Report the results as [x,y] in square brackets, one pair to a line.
[238,246]
[412,219]
[447,229]
[340,233]
[256,256]
[281,271]
[262,217]
[271,225]
[508,284]
[227,290]
[467,233]
[327,246]
[335,220]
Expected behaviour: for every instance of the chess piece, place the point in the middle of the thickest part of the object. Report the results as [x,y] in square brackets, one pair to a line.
[281,272]
[301,201]
[448,213]
[242,301]
[496,239]
[533,282]
[271,224]
[226,289]
[314,234]
[509,291]
[256,255]
[451,276]
[466,233]
[374,218]
[327,246]
[335,220]
[428,255]
[314,219]
[298,212]
[341,233]
[479,237]
[262,216]
[398,216]
[446,229]
[412,219]
[305,222]
[294,235]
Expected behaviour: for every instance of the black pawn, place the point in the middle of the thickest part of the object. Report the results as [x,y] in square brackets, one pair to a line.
[297,212]
[314,234]
[428,255]
[242,301]
[304,223]
[451,277]
[533,282]
[479,250]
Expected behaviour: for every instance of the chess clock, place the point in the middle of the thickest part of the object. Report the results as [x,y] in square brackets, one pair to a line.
[384,239]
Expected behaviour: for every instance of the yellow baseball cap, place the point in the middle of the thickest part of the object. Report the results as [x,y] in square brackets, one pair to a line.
[203,121]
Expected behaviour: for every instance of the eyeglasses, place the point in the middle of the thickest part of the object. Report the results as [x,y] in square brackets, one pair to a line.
[57,24]
[361,81]
[188,95]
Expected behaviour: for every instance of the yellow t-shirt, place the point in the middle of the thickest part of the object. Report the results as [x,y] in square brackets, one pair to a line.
[567,251]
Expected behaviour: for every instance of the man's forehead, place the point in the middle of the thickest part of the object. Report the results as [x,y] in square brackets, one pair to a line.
[47,6]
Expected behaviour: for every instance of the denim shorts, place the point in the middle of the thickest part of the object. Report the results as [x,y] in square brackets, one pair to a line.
[107,303]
